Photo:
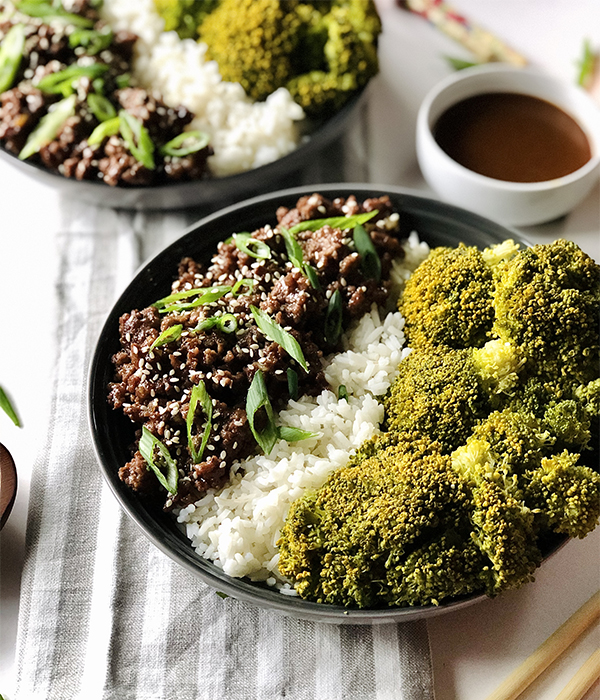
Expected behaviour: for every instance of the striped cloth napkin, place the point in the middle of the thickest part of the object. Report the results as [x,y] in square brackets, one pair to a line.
[104,614]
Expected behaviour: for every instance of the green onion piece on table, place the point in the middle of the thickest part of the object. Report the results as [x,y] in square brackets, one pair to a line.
[342,222]
[186,143]
[137,139]
[258,398]
[101,107]
[49,126]
[49,13]
[11,54]
[333,318]
[292,378]
[8,408]
[586,65]
[61,82]
[168,336]
[201,396]
[459,63]
[108,128]
[148,444]
[251,246]
[370,263]
[278,335]
[93,41]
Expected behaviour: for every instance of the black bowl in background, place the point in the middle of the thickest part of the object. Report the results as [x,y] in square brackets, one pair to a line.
[211,193]
[436,222]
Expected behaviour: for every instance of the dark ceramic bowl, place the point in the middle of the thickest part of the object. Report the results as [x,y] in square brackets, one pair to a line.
[211,193]
[436,223]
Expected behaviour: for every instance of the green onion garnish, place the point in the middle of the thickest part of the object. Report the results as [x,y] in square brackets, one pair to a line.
[108,128]
[186,143]
[370,263]
[459,63]
[8,408]
[49,126]
[342,392]
[292,247]
[258,398]
[101,107]
[333,318]
[48,12]
[292,378]
[277,334]
[585,64]
[92,40]
[11,54]
[251,246]
[123,80]
[205,295]
[343,222]
[137,139]
[289,434]
[199,395]
[227,323]
[168,336]
[61,82]
[149,443]
[245,282]
[311,275]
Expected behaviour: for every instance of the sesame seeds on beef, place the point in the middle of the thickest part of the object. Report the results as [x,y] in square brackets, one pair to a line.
[153,385]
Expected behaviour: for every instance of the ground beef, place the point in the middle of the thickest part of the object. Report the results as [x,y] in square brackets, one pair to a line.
[153,386]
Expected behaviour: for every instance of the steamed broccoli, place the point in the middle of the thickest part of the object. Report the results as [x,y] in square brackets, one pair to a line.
[184,16]
[322,52]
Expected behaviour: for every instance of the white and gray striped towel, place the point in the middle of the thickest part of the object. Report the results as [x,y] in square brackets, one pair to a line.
[104,615]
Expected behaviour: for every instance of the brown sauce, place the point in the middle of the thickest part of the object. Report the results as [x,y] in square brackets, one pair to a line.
[512,137]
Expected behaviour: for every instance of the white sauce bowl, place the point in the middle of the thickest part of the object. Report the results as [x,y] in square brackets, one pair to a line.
[512,203]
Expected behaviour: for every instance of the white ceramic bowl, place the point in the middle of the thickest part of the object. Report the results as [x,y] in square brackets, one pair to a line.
[512,203]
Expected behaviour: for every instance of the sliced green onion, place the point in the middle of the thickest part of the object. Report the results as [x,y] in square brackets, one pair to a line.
[586,65]
[11,54]
[8,408]
[101,107]
[227,323]
[292,247]
[289,434]
[199,395]
[342,392]
[343,222]
[186,143]
[48,12]
[278,335]
[137,139]
[205,295]
[92,40]
[149,443]
[370,263]
[311,275]
[168,336]
[123,80]
[245,282]
[61,82]
[98,85]
[206,324]
[49,126]
[333,318]
[251,246]
[108,128]
[258,398]
[292,378]
[459,63]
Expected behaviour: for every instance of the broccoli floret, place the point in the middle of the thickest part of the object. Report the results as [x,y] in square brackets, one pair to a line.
[547,303]
[322,52]
[390,530]
[448,299]
[442,392]
[184,16]
[565,494]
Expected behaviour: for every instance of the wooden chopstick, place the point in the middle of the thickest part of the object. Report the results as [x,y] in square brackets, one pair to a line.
[583,680]
[522,677]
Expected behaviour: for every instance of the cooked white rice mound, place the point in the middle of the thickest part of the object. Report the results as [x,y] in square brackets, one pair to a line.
[237,527]
[244,135]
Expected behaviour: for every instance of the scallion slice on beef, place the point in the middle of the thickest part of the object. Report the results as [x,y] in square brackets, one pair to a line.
[62,82]
[11,54]
[186,143]
[370,263]
[279,335]
[333,318]
[168,336]
[147,446]
[251,246]
[108,128]
[200,396]
[49,13]
[137,139]
[258,399]
[342,222]
[49,126]
[101,107]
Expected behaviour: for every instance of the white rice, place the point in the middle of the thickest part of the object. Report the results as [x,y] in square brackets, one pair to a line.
[244,135]
[237,527]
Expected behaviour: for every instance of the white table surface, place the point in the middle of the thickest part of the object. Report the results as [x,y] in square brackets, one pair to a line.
[475,649]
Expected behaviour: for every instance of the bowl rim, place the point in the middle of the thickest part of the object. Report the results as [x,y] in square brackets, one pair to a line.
[183,552]
[424,127]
